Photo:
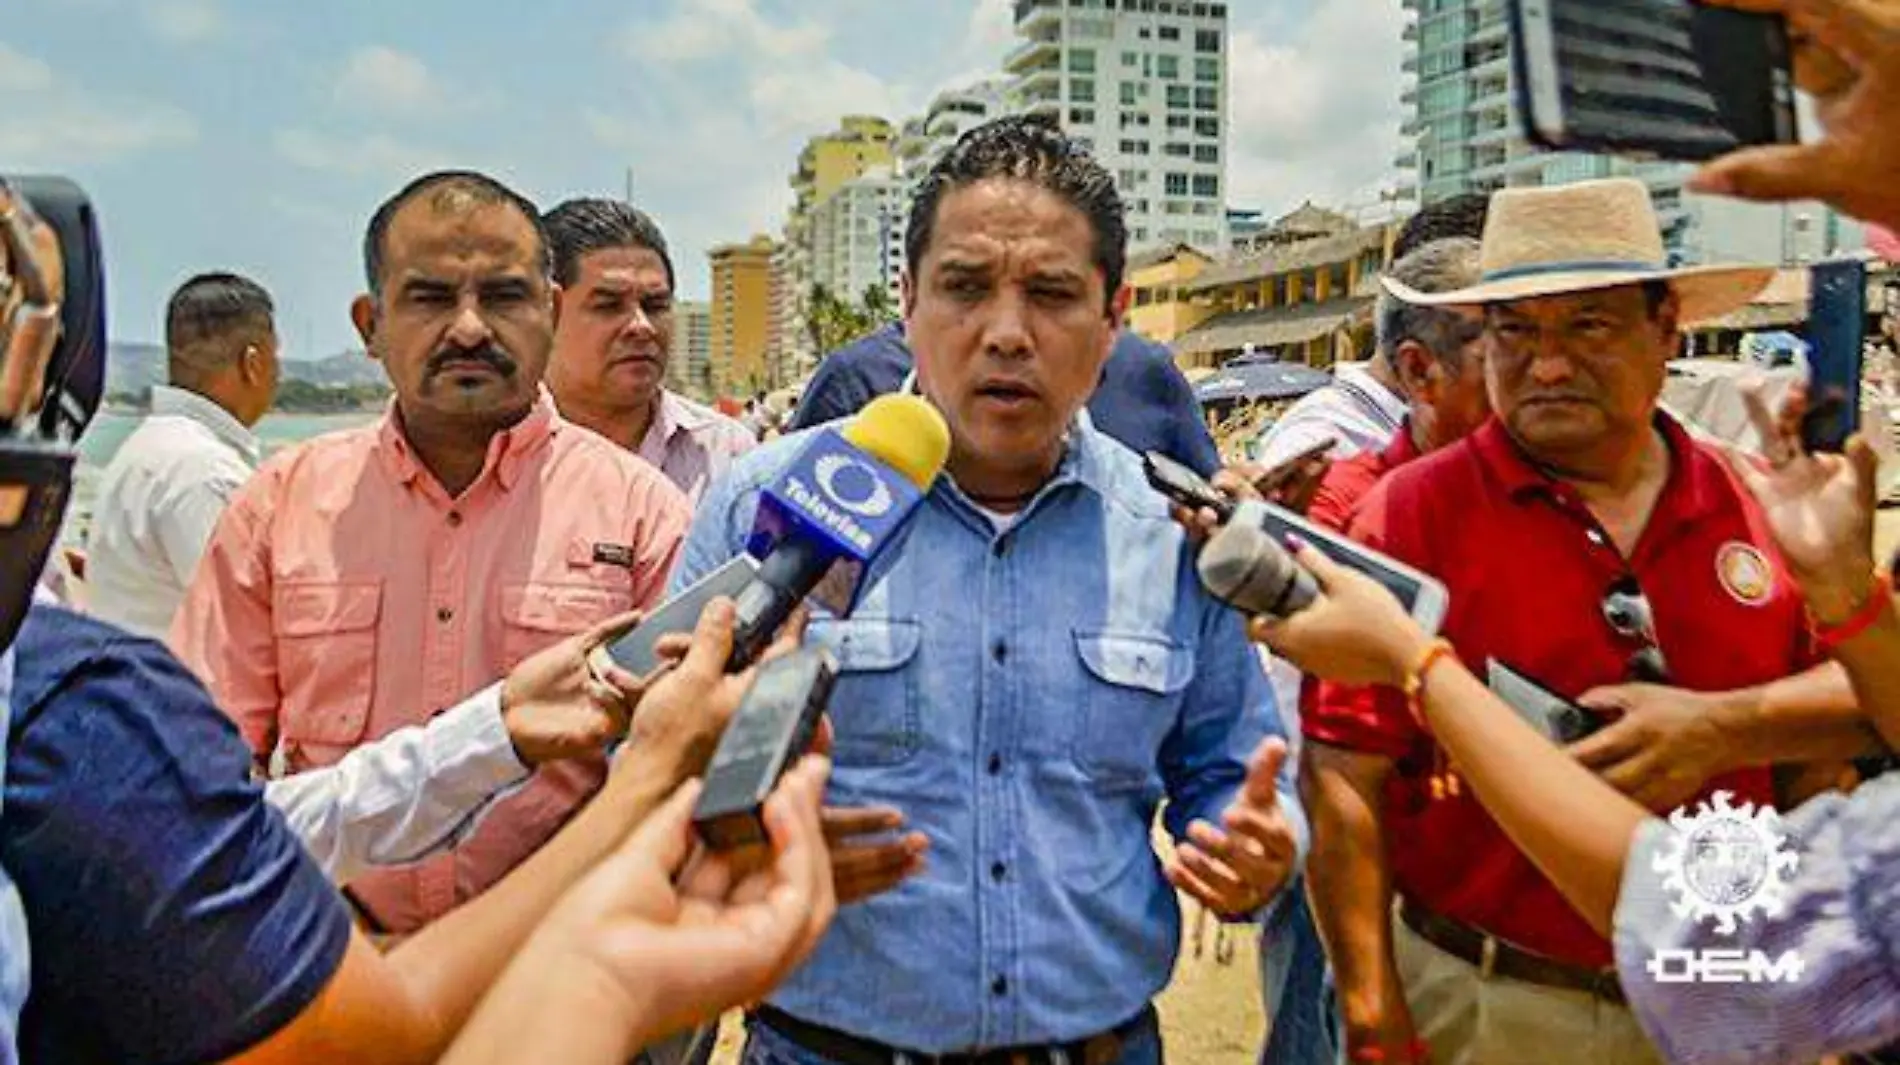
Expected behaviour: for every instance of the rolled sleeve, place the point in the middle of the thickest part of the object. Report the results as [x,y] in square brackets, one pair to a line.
[1205,760]
[1841,917]
[407,795]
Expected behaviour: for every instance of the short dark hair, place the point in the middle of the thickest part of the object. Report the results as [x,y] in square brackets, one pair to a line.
[206,316]
[1025,148]
[1438,266]
[1462,215]
[445,188]
[591,224]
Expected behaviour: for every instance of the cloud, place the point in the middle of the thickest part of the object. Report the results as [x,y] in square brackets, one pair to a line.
[185,21]
[375,155]
[708,29]
[1315,114]
[384,80]
[52,124]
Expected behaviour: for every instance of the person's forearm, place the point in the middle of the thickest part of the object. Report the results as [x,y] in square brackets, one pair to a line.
[1351,887]
[548,1008]
[450,964]
[1575,828]
[393,801]
[1872,661]
[1810,717]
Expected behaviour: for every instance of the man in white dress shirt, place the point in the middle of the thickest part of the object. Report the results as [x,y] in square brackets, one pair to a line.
[163,492]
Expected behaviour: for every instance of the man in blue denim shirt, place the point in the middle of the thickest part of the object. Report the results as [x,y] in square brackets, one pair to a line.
[1035,670]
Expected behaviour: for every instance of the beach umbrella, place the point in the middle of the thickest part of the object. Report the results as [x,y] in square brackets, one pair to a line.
[1260,380]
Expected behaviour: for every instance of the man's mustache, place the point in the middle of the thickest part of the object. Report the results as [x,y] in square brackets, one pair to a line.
[496,359]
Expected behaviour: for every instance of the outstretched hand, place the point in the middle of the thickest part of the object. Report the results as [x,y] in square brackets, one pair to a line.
[1819,507]
[1848,59]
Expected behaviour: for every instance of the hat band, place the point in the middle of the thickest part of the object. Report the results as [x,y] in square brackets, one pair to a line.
[1604,266]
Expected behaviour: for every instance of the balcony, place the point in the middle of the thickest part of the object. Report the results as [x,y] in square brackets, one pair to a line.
[1407,159]
[1409,64]
[1033,55]
[1031,14]
[1410,96]
[1036,84]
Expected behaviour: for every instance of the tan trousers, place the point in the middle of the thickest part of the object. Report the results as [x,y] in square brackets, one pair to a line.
[1469,1019]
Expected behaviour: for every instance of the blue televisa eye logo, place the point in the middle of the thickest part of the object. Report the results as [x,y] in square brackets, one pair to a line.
[854,485]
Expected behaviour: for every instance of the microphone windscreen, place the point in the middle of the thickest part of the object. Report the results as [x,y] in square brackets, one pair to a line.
[905,433]
[1243,566]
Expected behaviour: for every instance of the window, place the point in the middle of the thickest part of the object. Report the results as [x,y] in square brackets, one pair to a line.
[1170,33]
[1081,90]
[1177,185]
[1181,150]
[1128,179]
[1180,122]
[1206,185]
[1082,61]
[1133,118]
[1131,59]
[1207,40]
[1206,70]
[1175,207]
[1168,67]
[1207,153]
[1145,34]
[1206,238]
[1134,147]
[1082,116]
[1207,99]
[1141,234]
[1128,94]
[1207,127]
[1180,96]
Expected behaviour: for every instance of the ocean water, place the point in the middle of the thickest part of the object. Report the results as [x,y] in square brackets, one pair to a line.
[108,432]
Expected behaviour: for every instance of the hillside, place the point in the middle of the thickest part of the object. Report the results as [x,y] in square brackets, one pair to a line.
[133,368]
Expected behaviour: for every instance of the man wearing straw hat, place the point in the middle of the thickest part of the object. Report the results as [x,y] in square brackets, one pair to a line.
[1586,541]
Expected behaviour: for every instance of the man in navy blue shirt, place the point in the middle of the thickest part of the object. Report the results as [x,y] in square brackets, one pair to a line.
[1143,401]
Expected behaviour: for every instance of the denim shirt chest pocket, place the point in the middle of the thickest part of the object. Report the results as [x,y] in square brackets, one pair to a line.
[1131,700]
[874,711]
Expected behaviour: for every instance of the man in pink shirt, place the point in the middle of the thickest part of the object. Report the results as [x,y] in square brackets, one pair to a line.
[365,580]
[614,340]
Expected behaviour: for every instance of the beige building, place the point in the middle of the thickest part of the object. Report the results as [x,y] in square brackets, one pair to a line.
[741,316]
[1306,295]
[1159,307]
[827,163]
[689,370]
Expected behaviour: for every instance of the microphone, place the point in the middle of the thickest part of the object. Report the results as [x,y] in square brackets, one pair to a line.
[843,502]
[1243,566]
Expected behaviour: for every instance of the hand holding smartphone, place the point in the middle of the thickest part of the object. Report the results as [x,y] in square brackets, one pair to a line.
[1663,79]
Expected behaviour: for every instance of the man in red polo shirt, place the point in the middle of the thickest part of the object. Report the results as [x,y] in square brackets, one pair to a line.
[1586,541]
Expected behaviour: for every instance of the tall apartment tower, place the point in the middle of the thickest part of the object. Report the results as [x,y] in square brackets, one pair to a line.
[1143,85]
[741,316]
[689,368]
[1463,115]
[827,162]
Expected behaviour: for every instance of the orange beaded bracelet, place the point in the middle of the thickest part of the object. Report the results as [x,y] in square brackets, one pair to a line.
[1879,598]
[1440,650]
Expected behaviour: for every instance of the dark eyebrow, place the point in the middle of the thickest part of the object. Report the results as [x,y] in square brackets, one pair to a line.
[1058,276]
[426,286]
[506,286]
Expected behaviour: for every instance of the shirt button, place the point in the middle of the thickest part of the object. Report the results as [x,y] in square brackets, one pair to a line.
[455,519]
[998,872]
[999,986]
[1000,652]
[996,765]
[1000,547]
[1595,537]
[444,614]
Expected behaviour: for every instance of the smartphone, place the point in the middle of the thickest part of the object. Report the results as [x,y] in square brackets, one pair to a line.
[772,728]
[1837,335]
[1560,720]
[633,651]
[1422,595]
[1656,79]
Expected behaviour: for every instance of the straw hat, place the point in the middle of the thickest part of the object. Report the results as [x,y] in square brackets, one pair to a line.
[1578,238]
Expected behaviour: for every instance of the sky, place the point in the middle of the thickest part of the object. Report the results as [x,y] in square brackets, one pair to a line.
[259,135]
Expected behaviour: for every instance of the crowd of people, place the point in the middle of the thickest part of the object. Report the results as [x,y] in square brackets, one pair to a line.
[330,768]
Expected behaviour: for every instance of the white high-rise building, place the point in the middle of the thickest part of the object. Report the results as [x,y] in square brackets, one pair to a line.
[689,368]
[857,235]
[1142,83]
[1466,136]
[951,114]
